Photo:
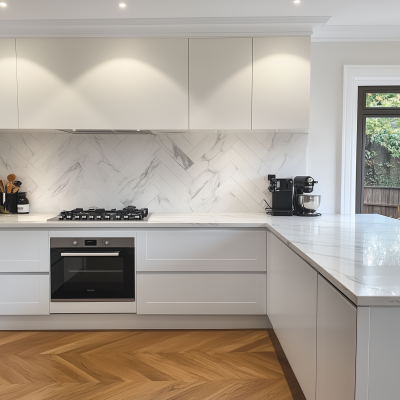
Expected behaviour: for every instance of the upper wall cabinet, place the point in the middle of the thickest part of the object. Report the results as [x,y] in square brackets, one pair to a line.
[281,83]
[220,80]
[103,83]
[8,85]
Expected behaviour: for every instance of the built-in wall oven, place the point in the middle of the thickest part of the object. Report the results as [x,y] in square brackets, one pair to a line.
[92,270]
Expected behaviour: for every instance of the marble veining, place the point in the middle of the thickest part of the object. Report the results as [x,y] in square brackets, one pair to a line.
[199,172]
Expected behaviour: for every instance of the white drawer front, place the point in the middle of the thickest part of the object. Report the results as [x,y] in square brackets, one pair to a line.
[201,293]
[201,250]
[24,251]
[24,294]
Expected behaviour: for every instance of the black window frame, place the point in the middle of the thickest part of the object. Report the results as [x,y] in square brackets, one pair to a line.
[362,113]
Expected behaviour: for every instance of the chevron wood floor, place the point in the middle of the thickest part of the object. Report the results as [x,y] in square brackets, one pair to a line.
[145,365]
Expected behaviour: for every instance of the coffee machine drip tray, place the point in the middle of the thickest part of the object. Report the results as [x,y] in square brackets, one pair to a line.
[299,214]
[281,213]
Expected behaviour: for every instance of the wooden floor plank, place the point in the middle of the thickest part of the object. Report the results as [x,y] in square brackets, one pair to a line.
[145,365]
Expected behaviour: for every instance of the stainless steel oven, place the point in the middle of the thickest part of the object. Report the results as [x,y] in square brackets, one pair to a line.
[92,269]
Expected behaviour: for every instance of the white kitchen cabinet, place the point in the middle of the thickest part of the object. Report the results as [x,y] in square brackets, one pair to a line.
[8,85]
[201,293]
[220,83]
[336,344]
[103,83]
[281,83]
[24,294]
[292,309]
[24,251]
[201,250]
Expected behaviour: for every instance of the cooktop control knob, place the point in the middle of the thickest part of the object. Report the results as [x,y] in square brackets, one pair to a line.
[74,242]
[106,242]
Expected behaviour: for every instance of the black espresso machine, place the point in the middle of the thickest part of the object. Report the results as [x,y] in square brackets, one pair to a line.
[291,197]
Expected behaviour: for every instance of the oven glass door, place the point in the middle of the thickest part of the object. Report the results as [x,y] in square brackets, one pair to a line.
[93,274]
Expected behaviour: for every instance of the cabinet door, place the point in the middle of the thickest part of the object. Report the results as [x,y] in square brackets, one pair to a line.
[201,250]
[24,294]
[103,83]
[281,83]
[24,251]
[220,79]
[201,293]
[336,344]
[8,85]
[301,328]
[276,284]
[292,310]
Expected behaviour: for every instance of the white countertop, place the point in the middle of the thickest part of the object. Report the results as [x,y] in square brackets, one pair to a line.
[358,254]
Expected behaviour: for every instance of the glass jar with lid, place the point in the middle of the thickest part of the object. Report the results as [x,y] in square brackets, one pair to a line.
[22,203]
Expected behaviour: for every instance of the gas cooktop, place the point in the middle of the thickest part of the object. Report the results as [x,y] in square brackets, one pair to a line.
[130,213]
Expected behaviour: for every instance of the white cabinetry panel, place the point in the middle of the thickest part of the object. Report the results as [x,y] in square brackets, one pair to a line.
[220,83]
[103,83]
[301,337]
[201,250]
[201,293]
[25,251]
[292,309]
[336,344]
[281,83]
[8,85]
[24,294]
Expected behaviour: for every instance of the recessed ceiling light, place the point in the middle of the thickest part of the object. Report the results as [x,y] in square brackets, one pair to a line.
[122,5]
[296,1]
[3,5]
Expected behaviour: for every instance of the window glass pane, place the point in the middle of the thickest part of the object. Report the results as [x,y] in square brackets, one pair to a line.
[387,100]
[382,167]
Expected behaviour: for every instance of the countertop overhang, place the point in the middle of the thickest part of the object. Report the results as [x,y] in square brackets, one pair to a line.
[358,254]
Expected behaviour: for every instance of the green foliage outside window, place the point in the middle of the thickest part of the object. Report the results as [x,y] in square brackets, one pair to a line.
[382,152]
[383,100]
[382,146]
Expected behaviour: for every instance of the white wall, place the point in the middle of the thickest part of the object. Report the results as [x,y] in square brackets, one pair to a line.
[325,137]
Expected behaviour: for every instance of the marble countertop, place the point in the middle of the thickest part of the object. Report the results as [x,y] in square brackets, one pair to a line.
[358,254]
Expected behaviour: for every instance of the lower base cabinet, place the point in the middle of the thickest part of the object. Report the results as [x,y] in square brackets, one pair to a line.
[24,294]
[201,293]
[336,344]
[292,309]
[315,324]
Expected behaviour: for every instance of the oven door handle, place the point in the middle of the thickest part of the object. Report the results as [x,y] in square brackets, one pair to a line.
[113,254]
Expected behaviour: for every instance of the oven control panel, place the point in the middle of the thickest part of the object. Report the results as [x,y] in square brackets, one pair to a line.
[91,242]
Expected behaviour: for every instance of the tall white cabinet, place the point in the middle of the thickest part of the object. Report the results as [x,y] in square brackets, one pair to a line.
[103,83]
[8,85]
[220,83]
[281,83]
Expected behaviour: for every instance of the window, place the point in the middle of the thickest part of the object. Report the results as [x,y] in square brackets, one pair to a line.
[378,151]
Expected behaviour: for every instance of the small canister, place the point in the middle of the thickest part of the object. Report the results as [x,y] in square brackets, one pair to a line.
[23,203]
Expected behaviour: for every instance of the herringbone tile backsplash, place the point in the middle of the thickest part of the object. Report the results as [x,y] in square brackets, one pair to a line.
[191,172]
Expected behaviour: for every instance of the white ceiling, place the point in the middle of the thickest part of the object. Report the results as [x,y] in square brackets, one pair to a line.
[328,20]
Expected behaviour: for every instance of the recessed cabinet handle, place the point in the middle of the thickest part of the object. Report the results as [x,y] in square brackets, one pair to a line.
[114,254]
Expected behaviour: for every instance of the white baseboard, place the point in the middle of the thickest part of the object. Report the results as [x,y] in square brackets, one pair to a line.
[132,321]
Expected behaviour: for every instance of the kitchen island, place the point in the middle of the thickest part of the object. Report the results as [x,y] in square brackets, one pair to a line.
[332,290]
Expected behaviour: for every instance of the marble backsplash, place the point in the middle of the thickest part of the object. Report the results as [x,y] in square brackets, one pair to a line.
[191,172]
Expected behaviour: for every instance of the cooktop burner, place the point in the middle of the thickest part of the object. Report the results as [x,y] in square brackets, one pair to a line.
[130,213]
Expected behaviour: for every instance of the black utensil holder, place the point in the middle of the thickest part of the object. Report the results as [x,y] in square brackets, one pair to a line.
[2,202]
[10,205]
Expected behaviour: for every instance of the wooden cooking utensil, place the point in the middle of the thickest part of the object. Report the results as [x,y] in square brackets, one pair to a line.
[14,189]
[2,185]
[11,178]
[9,187]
